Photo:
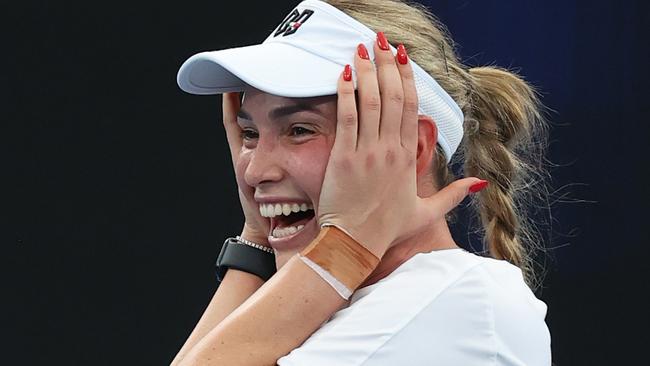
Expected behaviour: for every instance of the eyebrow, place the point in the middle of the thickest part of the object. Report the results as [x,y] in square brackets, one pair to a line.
[283,111]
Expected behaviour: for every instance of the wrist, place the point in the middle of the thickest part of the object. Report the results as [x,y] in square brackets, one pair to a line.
[339,259]
[255,236]
[370,238]
[244,255]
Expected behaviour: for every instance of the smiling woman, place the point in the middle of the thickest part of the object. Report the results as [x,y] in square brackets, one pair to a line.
[341,145]
[285,151]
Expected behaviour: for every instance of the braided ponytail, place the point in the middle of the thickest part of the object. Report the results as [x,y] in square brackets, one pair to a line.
[504,144]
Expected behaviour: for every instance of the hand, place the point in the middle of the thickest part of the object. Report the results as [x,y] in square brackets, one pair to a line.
[256,228]
[370,189]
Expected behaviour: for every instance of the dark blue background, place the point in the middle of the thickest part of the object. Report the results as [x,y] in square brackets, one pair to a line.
[119,190]
[590,60]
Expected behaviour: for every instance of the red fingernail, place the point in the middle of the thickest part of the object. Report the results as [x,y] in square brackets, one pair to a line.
[382,41]
[363,52]
[347,73]
[478,186]
[402,58]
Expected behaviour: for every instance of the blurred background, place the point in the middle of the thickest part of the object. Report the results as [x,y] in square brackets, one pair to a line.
[119,190]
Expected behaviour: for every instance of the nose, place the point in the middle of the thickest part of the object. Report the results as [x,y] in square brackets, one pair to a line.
[264,165]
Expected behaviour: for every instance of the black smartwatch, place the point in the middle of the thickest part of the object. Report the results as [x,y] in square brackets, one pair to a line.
[245,256]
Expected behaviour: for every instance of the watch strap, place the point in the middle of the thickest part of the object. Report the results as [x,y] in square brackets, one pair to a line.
[237,255]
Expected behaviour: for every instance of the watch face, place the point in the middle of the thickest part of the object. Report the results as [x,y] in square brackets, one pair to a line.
[244,258]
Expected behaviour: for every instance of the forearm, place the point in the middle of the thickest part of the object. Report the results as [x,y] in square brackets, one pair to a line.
[277,318]
[236,287]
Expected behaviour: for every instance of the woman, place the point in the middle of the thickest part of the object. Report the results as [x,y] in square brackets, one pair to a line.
[351,191]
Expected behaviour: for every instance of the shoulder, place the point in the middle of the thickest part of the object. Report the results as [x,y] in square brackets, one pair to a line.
[443,306]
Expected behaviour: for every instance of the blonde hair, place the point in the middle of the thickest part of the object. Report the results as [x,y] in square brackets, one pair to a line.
[505,135]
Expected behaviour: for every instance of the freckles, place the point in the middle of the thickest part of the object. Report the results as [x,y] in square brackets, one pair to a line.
[312,157]
[309,162]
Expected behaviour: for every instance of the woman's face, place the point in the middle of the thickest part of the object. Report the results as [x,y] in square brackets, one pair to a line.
[286,147]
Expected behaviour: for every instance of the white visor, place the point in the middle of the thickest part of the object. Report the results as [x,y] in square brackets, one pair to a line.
[304,57]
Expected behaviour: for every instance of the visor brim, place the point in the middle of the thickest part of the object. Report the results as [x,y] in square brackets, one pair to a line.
[275,68]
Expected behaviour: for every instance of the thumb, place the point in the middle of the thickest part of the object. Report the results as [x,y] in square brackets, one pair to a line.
[230,106]
[452,195]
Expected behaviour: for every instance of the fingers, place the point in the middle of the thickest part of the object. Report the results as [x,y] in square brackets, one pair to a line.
[369,98]
[387,97]
[391,90]
[346,113]
[452,195]
[388,104]
[230,108]
[409,125]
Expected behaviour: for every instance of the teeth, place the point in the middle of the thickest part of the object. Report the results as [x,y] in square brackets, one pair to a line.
[272,210]
[286,209]
[286,231]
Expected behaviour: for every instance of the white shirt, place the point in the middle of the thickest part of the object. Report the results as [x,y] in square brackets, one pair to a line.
[446,307]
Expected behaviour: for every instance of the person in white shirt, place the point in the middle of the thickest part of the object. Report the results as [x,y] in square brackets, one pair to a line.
[341,131]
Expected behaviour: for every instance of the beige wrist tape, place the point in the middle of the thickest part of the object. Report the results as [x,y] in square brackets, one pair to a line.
[344,261]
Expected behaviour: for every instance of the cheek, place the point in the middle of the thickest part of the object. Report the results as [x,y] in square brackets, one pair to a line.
[242,163]
[310,167]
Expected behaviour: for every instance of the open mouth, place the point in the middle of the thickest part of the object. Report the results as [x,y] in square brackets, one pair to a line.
[287,219]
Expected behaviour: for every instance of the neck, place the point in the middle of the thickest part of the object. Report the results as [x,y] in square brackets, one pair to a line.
[436,237]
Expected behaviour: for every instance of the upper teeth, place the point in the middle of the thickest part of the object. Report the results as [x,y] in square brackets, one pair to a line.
[275,209]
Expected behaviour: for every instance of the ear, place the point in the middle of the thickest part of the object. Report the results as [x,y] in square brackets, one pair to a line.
[427,140]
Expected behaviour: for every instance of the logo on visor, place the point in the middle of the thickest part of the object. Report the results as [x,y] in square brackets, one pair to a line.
[292,22]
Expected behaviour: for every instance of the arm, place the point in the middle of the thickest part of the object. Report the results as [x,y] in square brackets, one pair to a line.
[273,321]
[236,287]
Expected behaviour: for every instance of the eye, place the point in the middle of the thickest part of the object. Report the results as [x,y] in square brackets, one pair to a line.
[297,131]
[249,134]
